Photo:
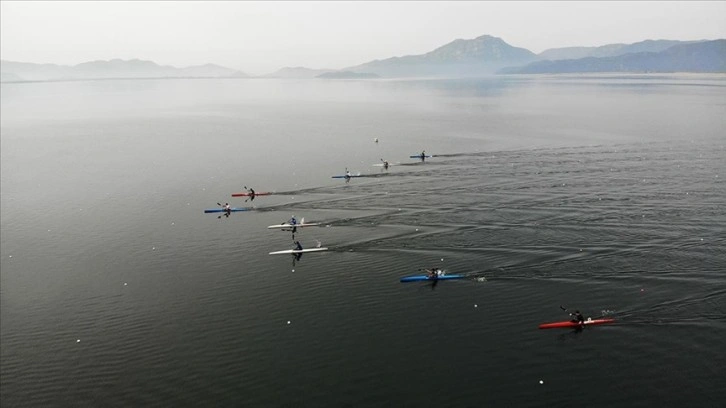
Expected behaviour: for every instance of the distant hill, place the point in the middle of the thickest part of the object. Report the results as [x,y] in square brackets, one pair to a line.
[9,77]
[610,50]
[115,68]
[703,56]
[297,72]
[348,75]
[461,58]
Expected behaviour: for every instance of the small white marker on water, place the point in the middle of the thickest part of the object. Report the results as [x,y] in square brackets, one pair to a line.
[541,382]
[78,340]
[288,322]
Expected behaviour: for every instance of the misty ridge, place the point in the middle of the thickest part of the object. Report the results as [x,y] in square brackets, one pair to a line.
[482,56]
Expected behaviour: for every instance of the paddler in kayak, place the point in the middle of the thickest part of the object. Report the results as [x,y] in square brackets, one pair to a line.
[347,175]
[434,273]
[577,317]
[423,155]
[298,246]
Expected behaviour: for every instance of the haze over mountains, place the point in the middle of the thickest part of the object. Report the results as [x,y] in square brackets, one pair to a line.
[484,55]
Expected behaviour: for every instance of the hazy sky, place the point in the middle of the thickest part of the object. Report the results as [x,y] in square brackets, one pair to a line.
[261,37]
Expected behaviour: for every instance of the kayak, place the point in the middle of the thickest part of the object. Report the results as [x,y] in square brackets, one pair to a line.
[249,194]
[221,210]
[418,156]
[298,251]
[290,226]
[570,324]
[351,176]
[419,278]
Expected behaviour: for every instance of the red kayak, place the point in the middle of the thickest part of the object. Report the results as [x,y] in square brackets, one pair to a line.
[249,194]
[570,324]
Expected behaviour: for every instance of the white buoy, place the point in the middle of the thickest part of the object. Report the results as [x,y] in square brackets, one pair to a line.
[288,322]
[78,341]
[125,283]
[541,382]
[476,305]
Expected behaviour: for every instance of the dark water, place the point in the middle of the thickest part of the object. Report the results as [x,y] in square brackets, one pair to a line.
[604,194]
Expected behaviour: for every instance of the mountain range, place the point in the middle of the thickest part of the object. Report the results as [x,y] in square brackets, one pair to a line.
[484,55]
[114,68]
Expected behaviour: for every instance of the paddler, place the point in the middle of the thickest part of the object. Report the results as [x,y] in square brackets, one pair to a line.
[385,164]
[423,155]
[577,317]
[434,273]
[298,247]
[227,208]
[347,175]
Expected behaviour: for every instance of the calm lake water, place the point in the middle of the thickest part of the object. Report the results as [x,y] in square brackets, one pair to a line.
[599,193]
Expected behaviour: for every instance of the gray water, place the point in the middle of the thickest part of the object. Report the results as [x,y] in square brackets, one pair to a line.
[599,193]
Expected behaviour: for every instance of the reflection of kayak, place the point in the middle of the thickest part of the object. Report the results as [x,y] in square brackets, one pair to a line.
[291,226]
[221,210]
[570,324]
[298,251]
[249,194]
[419,278]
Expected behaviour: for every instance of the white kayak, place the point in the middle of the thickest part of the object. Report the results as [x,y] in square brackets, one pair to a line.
[298,251]
[291,226]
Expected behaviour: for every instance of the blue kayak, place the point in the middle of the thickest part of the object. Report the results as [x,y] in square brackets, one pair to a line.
[419,156]
[351,176]
[419,278]
[221,210]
